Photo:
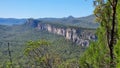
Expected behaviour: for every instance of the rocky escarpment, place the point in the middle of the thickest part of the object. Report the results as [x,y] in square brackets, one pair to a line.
[80,36]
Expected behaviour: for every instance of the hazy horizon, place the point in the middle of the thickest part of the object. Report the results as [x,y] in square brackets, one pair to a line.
[42,17]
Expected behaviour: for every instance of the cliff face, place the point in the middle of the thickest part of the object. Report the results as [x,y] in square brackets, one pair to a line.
[80,37]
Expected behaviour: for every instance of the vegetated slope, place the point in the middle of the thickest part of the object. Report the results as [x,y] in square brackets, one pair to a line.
[17,36]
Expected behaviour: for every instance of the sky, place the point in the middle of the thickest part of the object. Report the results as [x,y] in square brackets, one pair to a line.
[45,8]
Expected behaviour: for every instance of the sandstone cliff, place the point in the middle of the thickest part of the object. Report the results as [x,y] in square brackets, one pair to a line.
[80,36]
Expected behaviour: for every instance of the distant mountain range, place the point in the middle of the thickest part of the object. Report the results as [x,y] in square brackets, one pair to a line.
[87,22]
[11,21]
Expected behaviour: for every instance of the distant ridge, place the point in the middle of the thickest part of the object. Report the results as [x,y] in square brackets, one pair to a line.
[11,21]
[86,22]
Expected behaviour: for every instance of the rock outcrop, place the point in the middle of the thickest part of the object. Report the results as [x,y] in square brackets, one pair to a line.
[79,36]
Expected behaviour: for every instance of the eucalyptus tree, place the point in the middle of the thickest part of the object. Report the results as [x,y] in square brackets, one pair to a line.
[37,51]
[106,15]
[101,53]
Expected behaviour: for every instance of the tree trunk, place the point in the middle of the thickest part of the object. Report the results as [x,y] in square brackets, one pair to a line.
[10,57]
[112,37]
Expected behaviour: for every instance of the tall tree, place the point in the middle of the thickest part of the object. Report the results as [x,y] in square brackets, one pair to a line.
[103,52]
[38,52]
[106,15]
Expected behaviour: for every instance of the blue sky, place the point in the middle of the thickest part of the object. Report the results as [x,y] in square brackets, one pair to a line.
[45,8]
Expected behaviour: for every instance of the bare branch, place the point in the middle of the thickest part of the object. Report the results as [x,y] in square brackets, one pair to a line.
[110,2]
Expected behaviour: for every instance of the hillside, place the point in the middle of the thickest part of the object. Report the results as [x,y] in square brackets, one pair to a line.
[18,35]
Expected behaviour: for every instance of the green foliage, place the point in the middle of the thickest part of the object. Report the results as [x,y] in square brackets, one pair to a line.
[46,56]
[117,46]
[97,55]
[117,54]
[59,49]
[72,63]
[8,65]
[38,51]
[31,45]
[118,19]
